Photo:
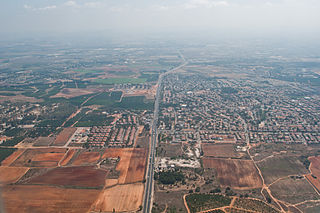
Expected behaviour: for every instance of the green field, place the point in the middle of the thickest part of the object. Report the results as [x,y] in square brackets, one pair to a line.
[120,81]
[5,152]
[202,202]
[105,99]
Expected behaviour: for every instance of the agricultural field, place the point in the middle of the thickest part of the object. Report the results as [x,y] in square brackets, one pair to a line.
[173,200]
[120,198]
[203,202]
[279,167]
[79,177]
[73,92]
[11,174]
[63,137]
[266,150]
[68,157]
[293,190]
[5,152]
[87,158]
[105,99]
[254,205]
[315,171]
[221,151]
[44,141]
[36,172]
[46,157]
[238,174]
[120,81]
[131,165]
[11,156]
[45,199]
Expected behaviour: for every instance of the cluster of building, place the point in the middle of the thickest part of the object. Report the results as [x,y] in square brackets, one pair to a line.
[122,132]
[198,108]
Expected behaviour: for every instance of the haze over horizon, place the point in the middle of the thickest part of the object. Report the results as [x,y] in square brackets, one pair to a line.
[286,18]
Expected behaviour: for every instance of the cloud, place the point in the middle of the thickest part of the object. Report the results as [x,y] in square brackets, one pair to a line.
[50,7]
[71,4]
[91,4]
[205,4]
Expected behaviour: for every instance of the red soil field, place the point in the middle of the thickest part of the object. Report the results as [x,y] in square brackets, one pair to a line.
[123,164]
[84,176]
[46,157]
[86,158]
[137,166]
[315,170]
[68,157]
[9,160]
[239,174]
[64,136]
[73,92]
[131,165]
[121,198]
[45,199]
[11,174]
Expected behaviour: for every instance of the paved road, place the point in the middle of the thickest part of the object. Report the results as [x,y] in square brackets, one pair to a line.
[147,203]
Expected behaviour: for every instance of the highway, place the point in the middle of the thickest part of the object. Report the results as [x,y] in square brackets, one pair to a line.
[147,201]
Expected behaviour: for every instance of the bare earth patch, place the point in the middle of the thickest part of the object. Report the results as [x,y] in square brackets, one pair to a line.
[121,198]
[239,174]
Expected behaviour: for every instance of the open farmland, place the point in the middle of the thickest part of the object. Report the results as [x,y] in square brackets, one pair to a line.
[203,202]
[121,198]
[293,190]
[43,141]
[136,166]
[314,178]
[253,205]
[239,174]
[11,174]
[220,151]
[11,158]
[169,150]
[120,80]
[64,136]
[278,167]
[68,157]
[6,152]
[87,177]
[45,199]
[73,92]
[131,165]
[46,157]
[87,158]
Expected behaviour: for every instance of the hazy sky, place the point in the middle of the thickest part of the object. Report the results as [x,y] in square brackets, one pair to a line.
[292,17]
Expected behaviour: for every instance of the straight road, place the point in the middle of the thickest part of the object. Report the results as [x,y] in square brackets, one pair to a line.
[147,202]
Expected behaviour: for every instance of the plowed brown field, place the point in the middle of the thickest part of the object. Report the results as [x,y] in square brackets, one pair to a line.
[131,165]
[44,199]
[68,157]
[86,158]
[11,174]
[9,160]
[46,157]
[315,170]
[239,174]
[83,176]
[64,136]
